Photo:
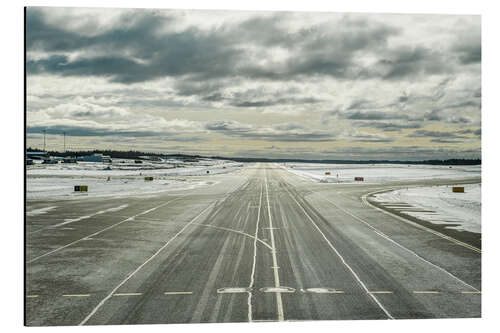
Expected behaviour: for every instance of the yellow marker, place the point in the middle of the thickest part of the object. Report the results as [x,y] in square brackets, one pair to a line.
[32,296]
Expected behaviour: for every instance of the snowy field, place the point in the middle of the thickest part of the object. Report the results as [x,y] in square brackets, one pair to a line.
[438,204]
[378,173]
[121,178]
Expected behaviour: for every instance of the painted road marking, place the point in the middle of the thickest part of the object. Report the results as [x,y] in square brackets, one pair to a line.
[236,231]
[128,294]
[101,303]
[252,275]
[471,292]
[278,289]
[334,249]
[380,292]
[419,226]
[32,296]
[426,292]
[322,291]
[76,295]
[131,218]
[381,234]
[279,302]
[235,290]
[178,292]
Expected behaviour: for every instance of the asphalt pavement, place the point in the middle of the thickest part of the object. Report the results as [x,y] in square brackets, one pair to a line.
[260,244]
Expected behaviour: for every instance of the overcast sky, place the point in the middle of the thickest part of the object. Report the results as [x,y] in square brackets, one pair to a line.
[255,84]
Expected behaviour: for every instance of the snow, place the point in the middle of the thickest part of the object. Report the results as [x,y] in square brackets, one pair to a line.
[121,178]
[461,211]
[378,173]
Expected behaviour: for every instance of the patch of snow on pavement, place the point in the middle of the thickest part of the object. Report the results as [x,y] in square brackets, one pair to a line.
[438,204]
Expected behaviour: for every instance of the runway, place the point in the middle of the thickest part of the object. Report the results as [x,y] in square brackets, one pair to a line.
[261,244]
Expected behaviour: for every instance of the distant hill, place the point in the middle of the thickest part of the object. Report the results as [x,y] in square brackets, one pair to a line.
[133,154]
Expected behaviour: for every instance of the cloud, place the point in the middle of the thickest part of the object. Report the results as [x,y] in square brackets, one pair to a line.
[283,132]
[435,134]
[388,127]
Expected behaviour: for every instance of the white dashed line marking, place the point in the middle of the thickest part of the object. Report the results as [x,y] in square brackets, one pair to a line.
[235,290]
[426,292]
[178,292]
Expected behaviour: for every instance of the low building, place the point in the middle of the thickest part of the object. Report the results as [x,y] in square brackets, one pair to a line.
[95,158]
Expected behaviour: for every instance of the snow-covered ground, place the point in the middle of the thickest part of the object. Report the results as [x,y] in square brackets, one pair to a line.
[378,173]
[121,178]
[438,204]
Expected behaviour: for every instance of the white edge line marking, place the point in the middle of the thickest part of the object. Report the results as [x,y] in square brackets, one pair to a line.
[381,234]
[105,229]
[101,303]
[252,275]
[437,233]
[342,259]
[279,302]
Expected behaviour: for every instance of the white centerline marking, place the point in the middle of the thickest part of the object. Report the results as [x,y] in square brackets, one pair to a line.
[279,302]
[76,295]
[101,303]
[252,275]
[127,294]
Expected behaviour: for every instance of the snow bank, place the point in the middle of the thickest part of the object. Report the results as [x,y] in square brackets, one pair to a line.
[378,173]
[63,187]
[120,178]
[438,204]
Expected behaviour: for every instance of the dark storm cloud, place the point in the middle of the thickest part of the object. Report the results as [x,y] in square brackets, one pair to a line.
[375,115]
[404,62]
[137,51]
[435,134]
[388,127]
[280,101]
[83,131]
[284,132]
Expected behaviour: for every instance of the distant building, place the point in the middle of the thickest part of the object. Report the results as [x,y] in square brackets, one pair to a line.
[95,158]
[69,160]
[37,155]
